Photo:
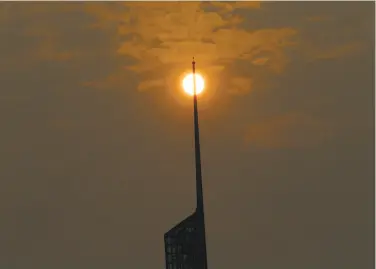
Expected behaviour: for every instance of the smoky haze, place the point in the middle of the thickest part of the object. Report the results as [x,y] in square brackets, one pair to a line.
[96,141]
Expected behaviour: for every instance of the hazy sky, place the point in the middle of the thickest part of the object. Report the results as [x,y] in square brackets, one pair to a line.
[97,143]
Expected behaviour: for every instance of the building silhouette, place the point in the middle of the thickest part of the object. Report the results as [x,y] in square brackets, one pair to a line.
[185,243]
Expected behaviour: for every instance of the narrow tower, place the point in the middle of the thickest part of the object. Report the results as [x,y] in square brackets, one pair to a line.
[185,243]
[199,193]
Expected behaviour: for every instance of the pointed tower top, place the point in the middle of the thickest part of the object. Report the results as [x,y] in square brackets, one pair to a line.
[193,65]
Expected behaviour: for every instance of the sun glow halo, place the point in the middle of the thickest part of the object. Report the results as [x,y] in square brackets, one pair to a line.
[188,84]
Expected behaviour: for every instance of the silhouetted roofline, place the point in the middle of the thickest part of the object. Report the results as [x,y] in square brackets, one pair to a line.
[181,224]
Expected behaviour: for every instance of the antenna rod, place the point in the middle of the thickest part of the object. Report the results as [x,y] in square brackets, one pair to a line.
[199,192]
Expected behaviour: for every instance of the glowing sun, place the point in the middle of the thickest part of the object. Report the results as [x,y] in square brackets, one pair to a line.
[188,84]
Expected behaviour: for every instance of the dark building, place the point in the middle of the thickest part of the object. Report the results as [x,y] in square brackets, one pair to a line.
[185,244]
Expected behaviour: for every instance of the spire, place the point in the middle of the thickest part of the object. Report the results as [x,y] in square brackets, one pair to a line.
[199,192]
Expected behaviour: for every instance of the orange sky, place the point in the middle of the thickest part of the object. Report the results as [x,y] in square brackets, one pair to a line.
[96,143]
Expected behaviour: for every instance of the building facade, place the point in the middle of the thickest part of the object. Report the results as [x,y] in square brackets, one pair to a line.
[185,244]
